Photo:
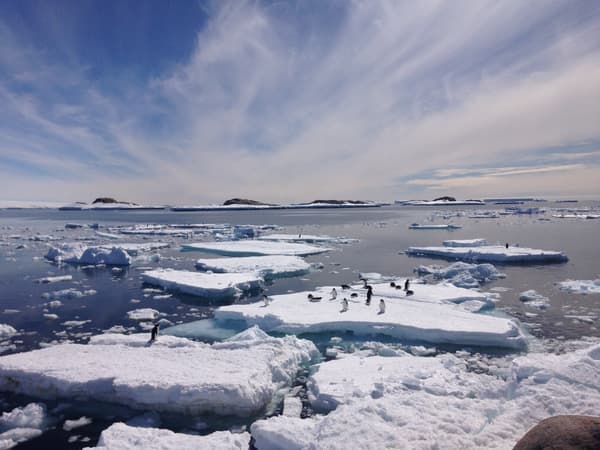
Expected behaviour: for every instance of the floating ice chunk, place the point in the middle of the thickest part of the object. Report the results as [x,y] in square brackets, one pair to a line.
[124,437]
[77,253]
[274,266]
[465,242]
[535,300]
[144,247]
[51,316]
[171,374]
[70,293]
[147,314]
[497,253]
[72,424]
[290,433]
[463,274]
[55,279]
[218,285]
[108,235]
[254,248]
[406,318]
[6,331]
[66,252]
[431,226]
[22,424]
[310,238]
[581,286]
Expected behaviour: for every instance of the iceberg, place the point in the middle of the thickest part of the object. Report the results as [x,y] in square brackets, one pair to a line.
[412,402]
[463,274]
[428,318]
[124,437]
[216,285]
[274,266]
[78,253]
[22,424]
[493,253]
[535,300]
[254,248]
[581,286]
[238,377]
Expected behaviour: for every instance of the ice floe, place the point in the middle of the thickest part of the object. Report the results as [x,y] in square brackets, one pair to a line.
[6,331]
[147,314]
[22,424]
[68,294]
[120,436]
[55,279]
[411,402]
[478,242]
[217,285]
[273,266]
[424,318]
[254,248]
[78,253]
[581,286]
[310,238]
[432,226]
[535,300]
[463,274]
[494,253]
[170,374]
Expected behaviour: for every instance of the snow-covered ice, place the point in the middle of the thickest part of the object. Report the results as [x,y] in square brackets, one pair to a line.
[273,266]
[425,403]
[419,317]
[6,331]
[535,300]
[22,424]
[239,376]
[124,437]
[69,425]
[433,226]
[310,238]
[581,286]
[478,242]
[254,248]
[463,274]
[55,279]
[493,253]
[147,314]
[70,293]
[78,253]
[218,285]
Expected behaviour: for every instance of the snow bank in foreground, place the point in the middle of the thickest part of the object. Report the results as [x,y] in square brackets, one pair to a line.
[239,376]
[414,318]
[463,274]
[218,285]
[124,437]
[254,248]
[275,266]
[497,253]
[22,424]
[581,286]
[425,403]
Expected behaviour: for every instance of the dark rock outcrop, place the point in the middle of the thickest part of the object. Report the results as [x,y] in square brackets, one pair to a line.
[110,200]
[564,433]
[445,198]
[244,201]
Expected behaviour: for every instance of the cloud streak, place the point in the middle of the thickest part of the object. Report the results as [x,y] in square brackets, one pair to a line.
[288,102]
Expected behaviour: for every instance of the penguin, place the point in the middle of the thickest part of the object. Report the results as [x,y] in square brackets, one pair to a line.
[333,294]
[312,298]
[354,295]
[369,294]
[406,284]
[344,304]
[409,292]
[266,299]
[381,306]
[345,286]
[507,245]
[154,332]
[392,284]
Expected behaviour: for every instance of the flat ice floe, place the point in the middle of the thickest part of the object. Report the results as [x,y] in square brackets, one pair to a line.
[478,242]
[581,286]
[124,437]
[239,376]
[535,300]
[432,226]
[424,403]
[254,248]
[274,266]
[310,238]
[429,319]
[218,285]
[493,253]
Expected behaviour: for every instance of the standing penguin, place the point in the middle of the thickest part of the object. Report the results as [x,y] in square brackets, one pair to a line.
[333,294]
[381,306]
[344,304]
[154,332]
[369,294]
[406,284]
[266,299]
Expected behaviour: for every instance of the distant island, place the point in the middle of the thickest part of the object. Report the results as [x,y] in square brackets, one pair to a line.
[246,204]
[245,201]
[440,201]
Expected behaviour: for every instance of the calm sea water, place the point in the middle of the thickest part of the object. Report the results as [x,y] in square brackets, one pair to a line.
[383,234]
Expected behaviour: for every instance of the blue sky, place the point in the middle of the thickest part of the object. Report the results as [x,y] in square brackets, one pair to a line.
[194,102]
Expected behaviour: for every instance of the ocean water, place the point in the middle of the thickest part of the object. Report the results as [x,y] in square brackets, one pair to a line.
[382,234]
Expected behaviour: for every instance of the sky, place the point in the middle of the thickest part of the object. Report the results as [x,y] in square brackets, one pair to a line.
[194,102]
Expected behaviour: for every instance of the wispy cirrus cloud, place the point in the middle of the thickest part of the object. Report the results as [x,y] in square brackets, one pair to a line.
[290,101]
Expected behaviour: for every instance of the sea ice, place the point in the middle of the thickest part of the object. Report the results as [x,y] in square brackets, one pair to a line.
[581,286]
[310,238]
[55,279]
[72,424]
[254,248]
[465,242]
[429,319]
[274,266]
[147,314]
[463,274]
[218,285]
[413,402]
[70,293]
[494,253]
[535,300]
[78,253]
[239,376]
[432,226]
[6,331]
[22,424]
[124,437]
